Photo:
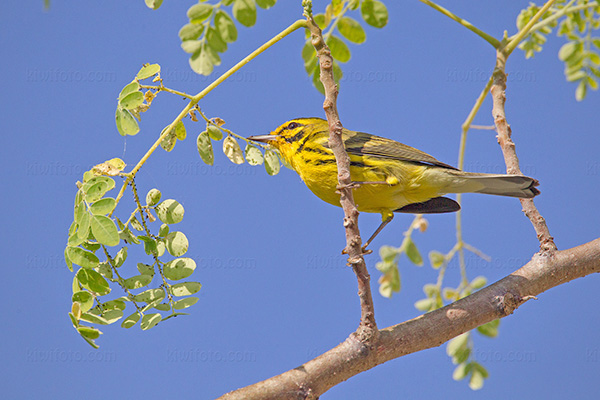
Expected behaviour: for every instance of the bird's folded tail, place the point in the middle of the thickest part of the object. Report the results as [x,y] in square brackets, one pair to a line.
[502,185]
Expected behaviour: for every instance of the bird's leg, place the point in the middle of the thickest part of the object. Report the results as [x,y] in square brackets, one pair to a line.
[379,229]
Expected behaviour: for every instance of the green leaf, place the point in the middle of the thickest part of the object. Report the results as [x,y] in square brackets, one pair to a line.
[436,259]
[177,244]
[147,71]
[83,230]
[68,260]
[185,288]
[192,46]
[153,4]
[339,49]
[374,13]
[567,50]
[388,254]
[424,304]
[180,132]
[214,132]
[105,270]
[225,26]
[132,87]
[476,380]
[185,303]
[168,142]
[153,197]
[460,372]
[126,123]
[205,149]
[253,155]
[145,269]
[266,4]
[150,321]
[82,258]
[93,281]
[272,163]
[93,318]
[131,320]
[132,100]
[138,281]
[581,91]
[245,12]
[88,332]
[309,55]
[413,253]
[201,61]
[103,206]
[351,30]
[85,300]
[179,268]
[170,211]
[135,224]
[199,12]
[96,187]
[478,282]
[163,307]
[116,304]
[150,245]
[163,231]
[232,149]
[214,40]
[112,316]
[150,295]
[458,343]
[104,230]
[490,329]
[191,31]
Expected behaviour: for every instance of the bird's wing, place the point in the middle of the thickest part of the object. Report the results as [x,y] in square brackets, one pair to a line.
[361,144]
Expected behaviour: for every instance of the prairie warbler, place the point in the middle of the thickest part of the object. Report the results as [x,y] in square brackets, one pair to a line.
[390,176]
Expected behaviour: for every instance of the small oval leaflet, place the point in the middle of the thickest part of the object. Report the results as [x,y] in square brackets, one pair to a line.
[245,12]
[205,148]
[150,321]
[103,206]
[93,281]
[132,100]
[104,230]
[225,26]
[131,320]
[138,281]
[272,163]
[190,32]
[351,30]
[339,49]
[170,211]
[185,288]
[147,71]
[83,258]
[253,155]
[177,244]
[179,268]
[232,150]
[185,303]
[126,123]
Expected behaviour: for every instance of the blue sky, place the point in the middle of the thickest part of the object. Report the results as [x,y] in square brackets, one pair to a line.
[276,292]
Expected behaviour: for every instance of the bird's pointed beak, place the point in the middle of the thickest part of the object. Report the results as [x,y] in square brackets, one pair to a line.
[263,138]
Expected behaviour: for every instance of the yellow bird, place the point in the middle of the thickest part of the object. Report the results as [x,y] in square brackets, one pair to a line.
[390,176]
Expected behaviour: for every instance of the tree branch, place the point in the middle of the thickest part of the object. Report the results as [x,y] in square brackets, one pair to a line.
[367,329]
[498,300]
[508,150]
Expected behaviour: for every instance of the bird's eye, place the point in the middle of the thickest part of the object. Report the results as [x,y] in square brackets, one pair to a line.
[293,125]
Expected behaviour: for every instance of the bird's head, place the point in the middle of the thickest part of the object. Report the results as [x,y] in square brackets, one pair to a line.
[287,138]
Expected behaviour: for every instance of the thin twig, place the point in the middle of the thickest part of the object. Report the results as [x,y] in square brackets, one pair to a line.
[488,38]
[367,330]
[510,154]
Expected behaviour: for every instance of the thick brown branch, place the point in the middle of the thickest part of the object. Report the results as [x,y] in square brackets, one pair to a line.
[367,328]
[510,155]
[351,357]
